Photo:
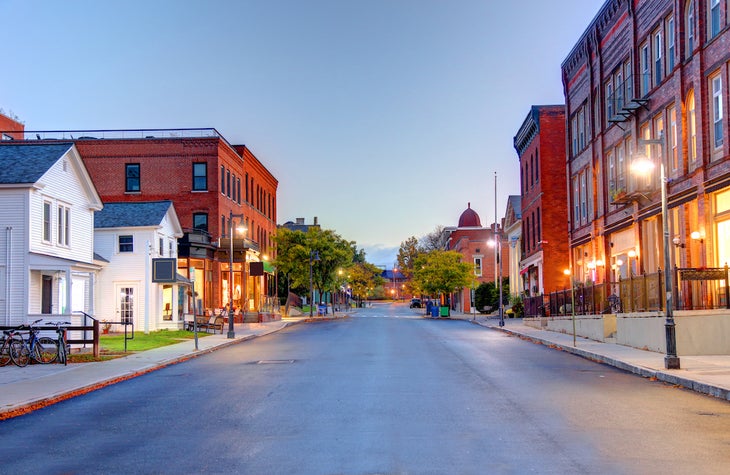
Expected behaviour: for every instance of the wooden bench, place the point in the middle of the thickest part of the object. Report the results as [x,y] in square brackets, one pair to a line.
[201,321]
[214,323]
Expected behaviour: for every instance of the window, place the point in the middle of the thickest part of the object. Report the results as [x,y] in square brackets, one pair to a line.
[714,20]
[612,179]
[224,228]
[132,180]
[537,170]
[658,64]
[170,250]
[609,102]
[539,231]
[478,266]
[644,65]
[691,128]
[200,176]
[228,183]
[620,168]
[583,198]
[200,221]
[64,225]
[717,135]
[223,180]
[238,191]
[672,138]
[619,90]
[126,243]
[670,44]
[576,203]
[574,134]
[161,247]
[581,128]
[690,27]
[47,221]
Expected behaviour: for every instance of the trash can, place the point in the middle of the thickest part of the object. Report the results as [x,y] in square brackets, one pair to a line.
[444,311]
[428,308]
[321,310]
[434,310]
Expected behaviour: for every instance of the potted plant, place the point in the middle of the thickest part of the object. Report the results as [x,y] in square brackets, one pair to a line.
[105,327]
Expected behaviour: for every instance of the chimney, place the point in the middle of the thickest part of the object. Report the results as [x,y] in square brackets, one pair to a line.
[316,221]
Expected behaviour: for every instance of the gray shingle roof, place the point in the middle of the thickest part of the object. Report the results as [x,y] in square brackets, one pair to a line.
[26,163]
[133,214]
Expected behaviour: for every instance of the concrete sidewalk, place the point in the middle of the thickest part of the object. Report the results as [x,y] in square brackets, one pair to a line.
[24,389]
[705,374]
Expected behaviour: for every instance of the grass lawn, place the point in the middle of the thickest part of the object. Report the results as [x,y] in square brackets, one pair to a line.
[112,346]
[142,342]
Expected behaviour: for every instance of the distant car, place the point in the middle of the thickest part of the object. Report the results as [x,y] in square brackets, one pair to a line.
[415,303]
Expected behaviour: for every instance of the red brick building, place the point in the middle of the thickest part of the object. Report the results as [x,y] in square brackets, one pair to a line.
[476,245]
[10,128]
[540,146]
[208,180]
[654,70]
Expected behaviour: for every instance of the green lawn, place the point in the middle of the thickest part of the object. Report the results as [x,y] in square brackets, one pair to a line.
[141,342]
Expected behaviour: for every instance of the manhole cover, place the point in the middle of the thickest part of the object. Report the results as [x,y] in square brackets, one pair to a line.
[275,362]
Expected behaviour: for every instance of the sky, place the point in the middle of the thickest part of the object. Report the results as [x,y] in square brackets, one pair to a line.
[382,118]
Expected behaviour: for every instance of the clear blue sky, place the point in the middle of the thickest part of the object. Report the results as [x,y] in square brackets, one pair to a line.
[381,117]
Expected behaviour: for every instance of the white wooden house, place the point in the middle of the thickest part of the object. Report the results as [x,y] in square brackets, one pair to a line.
[47,205]
[130,235]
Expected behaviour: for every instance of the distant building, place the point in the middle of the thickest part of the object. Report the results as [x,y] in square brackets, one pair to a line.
[300,225]
[513,230]
[10,128]
[540,146]
[476,245]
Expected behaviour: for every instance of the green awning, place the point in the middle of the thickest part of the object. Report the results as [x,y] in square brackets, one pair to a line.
[269,267]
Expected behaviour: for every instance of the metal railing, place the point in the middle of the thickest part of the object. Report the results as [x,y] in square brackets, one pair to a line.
[694,289]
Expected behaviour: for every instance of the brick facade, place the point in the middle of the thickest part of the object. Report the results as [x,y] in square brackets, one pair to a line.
[653,70]
[540,145]
[234,181]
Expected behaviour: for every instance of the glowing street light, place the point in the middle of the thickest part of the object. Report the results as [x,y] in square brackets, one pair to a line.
[240,228]
[644,165]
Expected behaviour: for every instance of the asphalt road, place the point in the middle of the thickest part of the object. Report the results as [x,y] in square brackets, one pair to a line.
[384,392]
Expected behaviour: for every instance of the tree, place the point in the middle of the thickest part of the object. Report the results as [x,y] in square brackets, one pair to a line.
[290,249]
[364,277]
[407,254]
[442,272]
[334,254]
[435,240]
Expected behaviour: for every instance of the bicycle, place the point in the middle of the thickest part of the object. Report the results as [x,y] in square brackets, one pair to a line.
[61,345]
[39,348]
[10,338]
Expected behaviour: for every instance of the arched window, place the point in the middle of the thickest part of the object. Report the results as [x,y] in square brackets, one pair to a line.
[691,129]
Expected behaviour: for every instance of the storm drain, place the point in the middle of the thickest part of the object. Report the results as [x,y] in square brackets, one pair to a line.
[275,362]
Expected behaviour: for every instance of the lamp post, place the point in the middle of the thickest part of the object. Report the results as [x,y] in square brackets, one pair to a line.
[568,273]
[671,360]
[313,256]
[231,216]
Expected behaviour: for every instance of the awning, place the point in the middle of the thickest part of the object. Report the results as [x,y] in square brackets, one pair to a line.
[524,271]
[182,280]
[269,267]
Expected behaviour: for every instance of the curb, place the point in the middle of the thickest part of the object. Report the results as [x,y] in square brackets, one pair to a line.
[45,401]
[649,373]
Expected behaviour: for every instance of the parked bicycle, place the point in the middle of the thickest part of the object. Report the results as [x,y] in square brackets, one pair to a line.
[39,348]
[10,338]
[63,348]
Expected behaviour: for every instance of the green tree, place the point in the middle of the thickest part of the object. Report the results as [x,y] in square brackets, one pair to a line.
[364,277]
[442,272]
[334,254]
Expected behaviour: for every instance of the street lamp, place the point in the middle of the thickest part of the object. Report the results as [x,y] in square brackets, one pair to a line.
[241,228]
[643,165]
[498,272]
[313,257]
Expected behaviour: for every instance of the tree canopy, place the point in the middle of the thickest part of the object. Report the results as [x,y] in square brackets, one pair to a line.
[442,272]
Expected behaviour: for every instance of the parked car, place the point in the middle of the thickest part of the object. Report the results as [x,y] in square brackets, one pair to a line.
[415,303]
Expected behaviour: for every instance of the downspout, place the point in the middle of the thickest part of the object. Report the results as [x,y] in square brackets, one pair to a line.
[8,249]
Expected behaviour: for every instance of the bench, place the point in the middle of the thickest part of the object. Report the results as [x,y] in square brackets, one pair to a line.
[214,323]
